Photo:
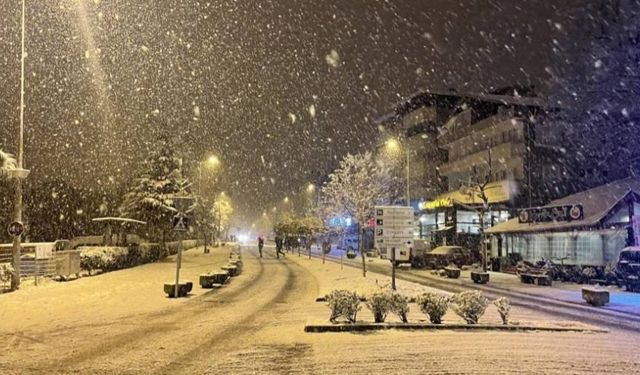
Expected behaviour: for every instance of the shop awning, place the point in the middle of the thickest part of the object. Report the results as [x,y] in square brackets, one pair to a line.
[497,192]
[443,229]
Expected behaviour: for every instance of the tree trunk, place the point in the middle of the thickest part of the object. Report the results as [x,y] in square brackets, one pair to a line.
[483,251]
[361,246]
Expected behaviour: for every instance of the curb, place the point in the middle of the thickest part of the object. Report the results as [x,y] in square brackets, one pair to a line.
[361,327]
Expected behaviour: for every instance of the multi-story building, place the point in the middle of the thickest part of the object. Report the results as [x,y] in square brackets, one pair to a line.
[472,153]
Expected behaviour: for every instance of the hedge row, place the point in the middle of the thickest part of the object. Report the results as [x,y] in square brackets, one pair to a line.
[469,305]
[114,258]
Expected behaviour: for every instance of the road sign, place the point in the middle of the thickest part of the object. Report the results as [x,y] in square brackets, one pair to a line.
[394,226]
[180,222]
[15,229]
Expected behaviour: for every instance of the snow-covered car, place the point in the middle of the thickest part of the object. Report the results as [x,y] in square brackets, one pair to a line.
[442,256]
[628,268]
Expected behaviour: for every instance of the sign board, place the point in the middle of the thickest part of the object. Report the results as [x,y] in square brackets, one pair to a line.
[180,222]
[15,229]
[394,229]
[551,214]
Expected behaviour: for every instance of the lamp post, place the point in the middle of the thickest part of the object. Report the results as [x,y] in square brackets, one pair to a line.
[394,145]
[312,191]
[19,173]
[213,162]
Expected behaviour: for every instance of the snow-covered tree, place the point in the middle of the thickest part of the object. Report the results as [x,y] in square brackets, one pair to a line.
[355,188]
[150,198]
[7,162]
[221,212]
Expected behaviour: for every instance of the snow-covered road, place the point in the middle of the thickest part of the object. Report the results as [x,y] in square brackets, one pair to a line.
[255,324]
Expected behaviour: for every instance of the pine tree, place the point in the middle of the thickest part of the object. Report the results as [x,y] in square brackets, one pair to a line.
[150,198]
[7,162]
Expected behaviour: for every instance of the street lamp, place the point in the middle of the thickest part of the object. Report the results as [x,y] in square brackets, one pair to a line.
[393,145]
[211,162]
[20,173]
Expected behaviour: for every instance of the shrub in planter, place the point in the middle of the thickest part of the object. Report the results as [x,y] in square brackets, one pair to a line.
[6,269]
[380,305]
[434,305]
[469,305]
[343,303]
[400,306]
[504,307]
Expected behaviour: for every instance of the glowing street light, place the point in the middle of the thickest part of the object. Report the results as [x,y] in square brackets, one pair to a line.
[311,188]
[394,146]
[212,162]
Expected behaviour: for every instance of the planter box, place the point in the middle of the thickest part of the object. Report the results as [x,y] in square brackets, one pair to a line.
[207,280]
[183,289]
[595,297]
[452,273]
[480,277]
[220,277]
[237,263]
[231,269]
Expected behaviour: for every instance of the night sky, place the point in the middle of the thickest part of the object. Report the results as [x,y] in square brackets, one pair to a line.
[280,91]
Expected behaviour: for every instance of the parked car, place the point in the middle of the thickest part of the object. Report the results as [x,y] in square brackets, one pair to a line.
[348,243]
[628,268]
[444,255]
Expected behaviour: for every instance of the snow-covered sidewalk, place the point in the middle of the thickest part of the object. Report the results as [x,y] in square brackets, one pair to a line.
[331,276]
[621,301]
[109,296]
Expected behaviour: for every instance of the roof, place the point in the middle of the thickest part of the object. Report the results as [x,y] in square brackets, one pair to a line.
[118,219]
[596,204]
[497,192]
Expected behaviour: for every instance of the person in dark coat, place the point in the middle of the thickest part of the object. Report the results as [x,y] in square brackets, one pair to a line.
[260,245]
[279,243]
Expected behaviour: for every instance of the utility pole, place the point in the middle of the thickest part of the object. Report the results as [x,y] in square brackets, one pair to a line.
[204,211]
[20,173]
[408,195]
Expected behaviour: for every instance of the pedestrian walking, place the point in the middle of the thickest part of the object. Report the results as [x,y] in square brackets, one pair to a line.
[279,244]
[260,245]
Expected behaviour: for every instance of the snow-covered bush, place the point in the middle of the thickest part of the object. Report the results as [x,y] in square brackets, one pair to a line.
[379,304]
[400,306]
[589,273]
[469,305]
[103,258]
[343,303]
[6,269]
[434,305]
[504,307]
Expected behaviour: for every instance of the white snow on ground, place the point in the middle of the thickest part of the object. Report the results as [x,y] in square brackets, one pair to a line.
[330,276]
[122,323]
[107,296]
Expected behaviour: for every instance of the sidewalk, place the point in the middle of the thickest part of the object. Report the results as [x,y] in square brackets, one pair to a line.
[620,301]
[106,297]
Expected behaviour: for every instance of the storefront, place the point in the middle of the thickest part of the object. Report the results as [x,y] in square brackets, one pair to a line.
[454,218]
[587,228]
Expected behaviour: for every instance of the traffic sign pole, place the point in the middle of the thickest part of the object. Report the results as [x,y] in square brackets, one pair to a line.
[178,265]
[393,268]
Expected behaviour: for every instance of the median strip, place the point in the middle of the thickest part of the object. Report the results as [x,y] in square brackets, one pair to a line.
[361,327]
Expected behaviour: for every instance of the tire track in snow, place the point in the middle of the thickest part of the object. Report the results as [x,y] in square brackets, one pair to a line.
[164,322]
[188,362]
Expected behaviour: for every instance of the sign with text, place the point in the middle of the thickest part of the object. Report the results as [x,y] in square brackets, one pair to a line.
[551,214]
[394,226]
